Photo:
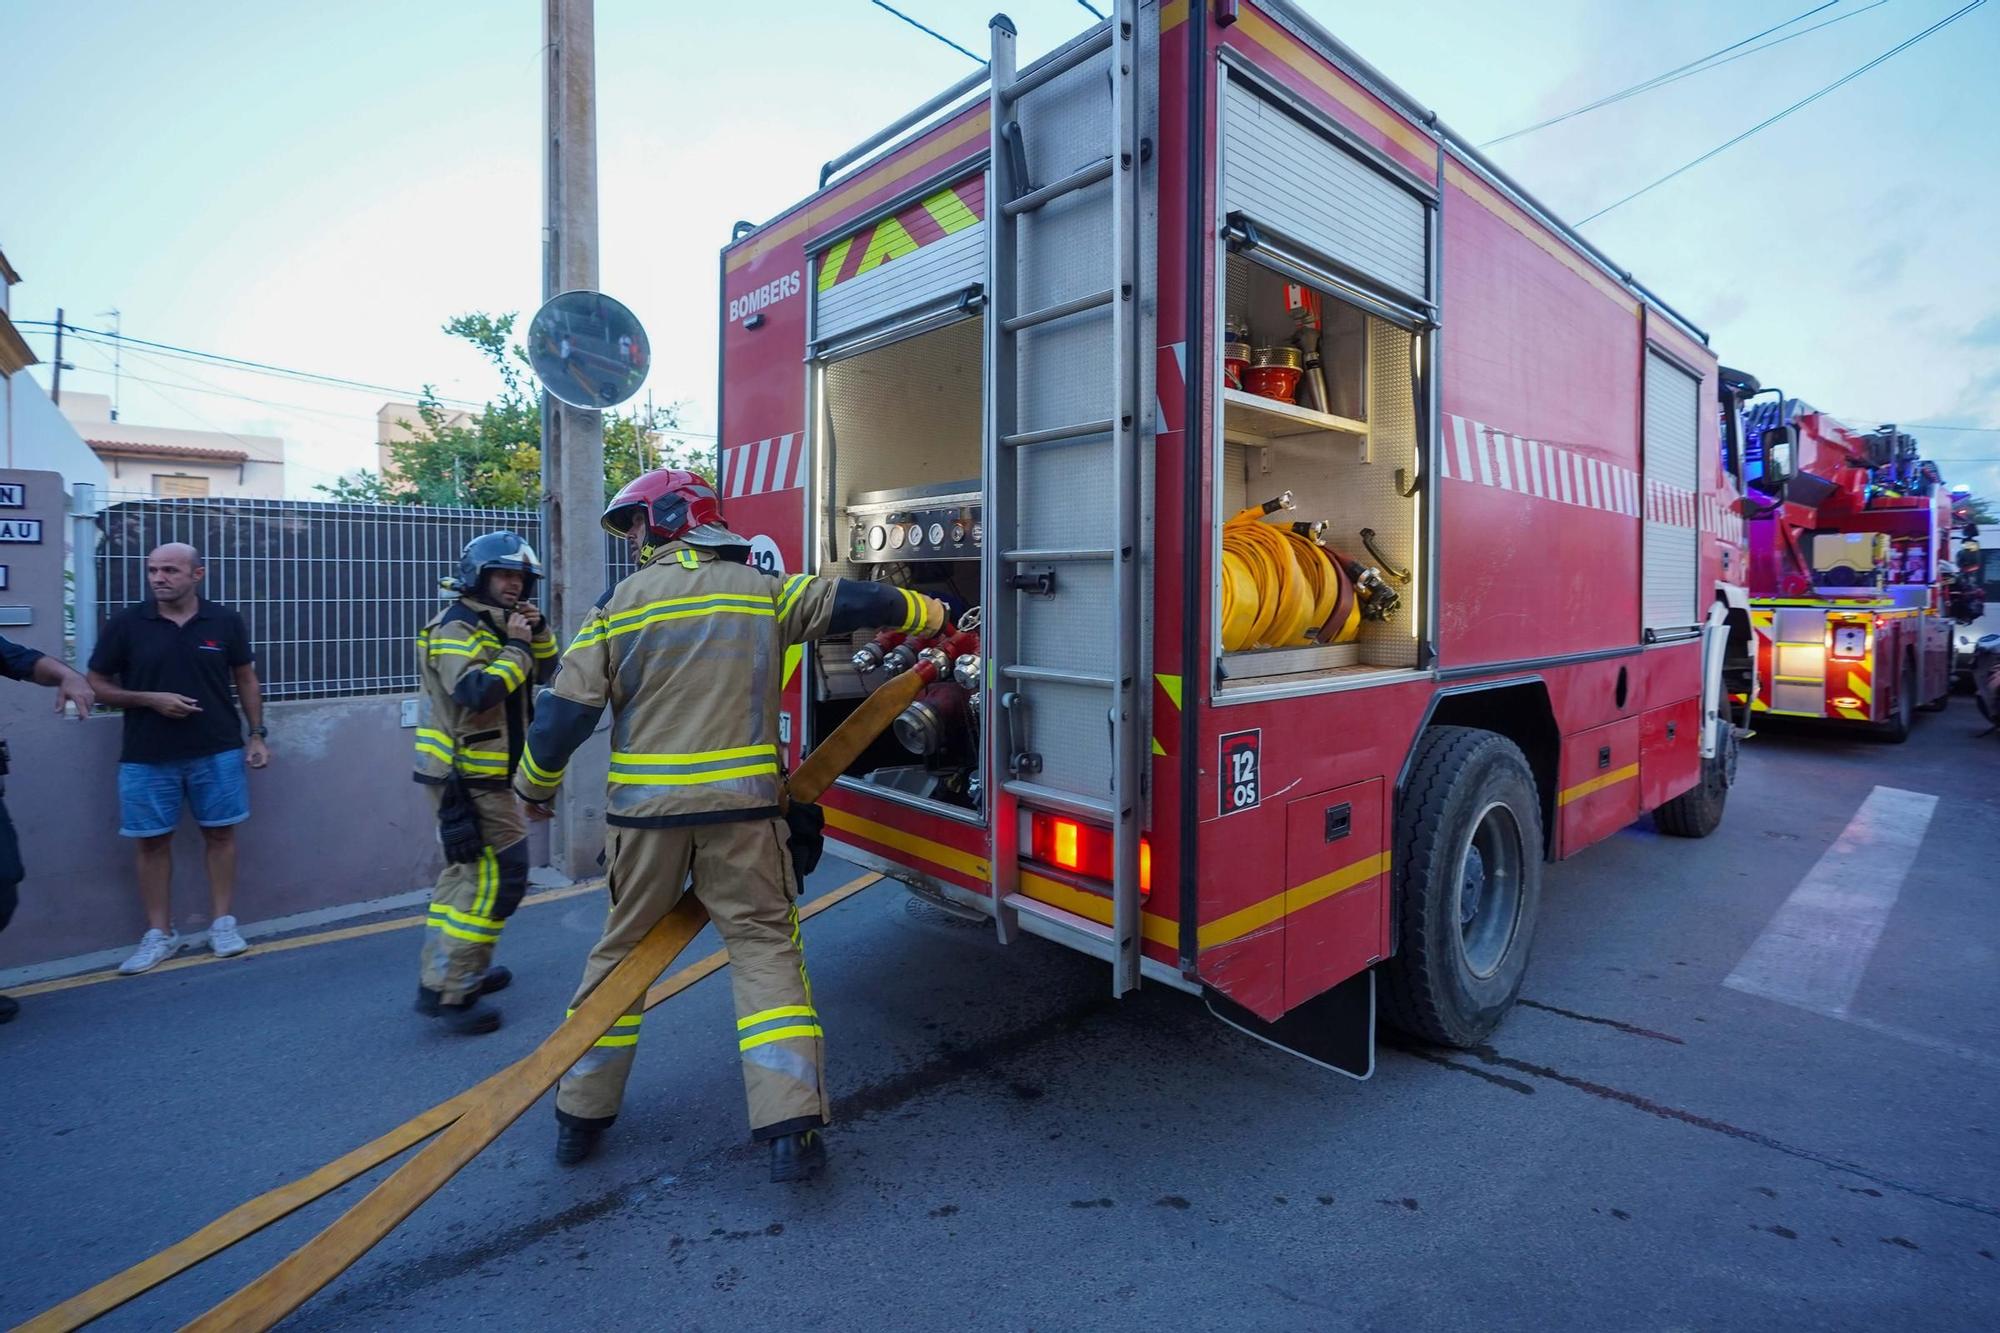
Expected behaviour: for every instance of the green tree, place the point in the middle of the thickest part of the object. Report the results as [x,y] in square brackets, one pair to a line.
[493,458]
[1980,510]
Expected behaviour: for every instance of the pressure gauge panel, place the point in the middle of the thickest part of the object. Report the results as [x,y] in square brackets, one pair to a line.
[941,522]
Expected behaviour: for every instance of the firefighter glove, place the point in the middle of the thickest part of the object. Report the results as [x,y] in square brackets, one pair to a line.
[935,614]
[805,837]
[458,825]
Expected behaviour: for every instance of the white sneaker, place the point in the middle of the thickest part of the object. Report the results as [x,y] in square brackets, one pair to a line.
[225,938]
[155,947]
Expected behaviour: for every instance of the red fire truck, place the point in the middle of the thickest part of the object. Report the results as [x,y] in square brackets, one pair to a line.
[1850,569]
[1347,536]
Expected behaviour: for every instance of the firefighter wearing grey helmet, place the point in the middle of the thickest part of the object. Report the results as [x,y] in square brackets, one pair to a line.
[476,660]
[689,653]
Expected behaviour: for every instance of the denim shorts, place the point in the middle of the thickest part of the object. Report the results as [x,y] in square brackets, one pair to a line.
[150,795]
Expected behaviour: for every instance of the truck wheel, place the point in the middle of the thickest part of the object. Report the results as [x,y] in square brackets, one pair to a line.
[1896,729]
[1468,880]
[1697,812]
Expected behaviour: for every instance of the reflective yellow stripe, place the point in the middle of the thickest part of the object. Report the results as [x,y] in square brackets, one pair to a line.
[505,668]
[467,918]
[915,619]
[692,779]
[779,1034]
[783,1011]
[630,1039]
[795,587]
[499,755]
[544,649]
[688,559]
[538,775]
[693,757]
[458,933]
[424,747]
[688,613]
[623,1020]
[592,632]
[455,650]
[743,598]
[1597,784]
[433,734]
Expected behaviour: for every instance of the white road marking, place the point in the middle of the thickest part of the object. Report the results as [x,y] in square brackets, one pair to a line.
[1815,949]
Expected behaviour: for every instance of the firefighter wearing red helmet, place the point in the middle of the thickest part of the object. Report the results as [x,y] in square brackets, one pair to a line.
[689,653]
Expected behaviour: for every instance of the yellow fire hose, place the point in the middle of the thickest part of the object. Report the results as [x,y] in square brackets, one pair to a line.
[1280,587]
[474,1118]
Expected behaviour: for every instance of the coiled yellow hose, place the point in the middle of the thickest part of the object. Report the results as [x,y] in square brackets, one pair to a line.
[1279,586]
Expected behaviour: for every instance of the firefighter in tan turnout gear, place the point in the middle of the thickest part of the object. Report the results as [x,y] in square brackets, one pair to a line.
[689,654]
[476,660]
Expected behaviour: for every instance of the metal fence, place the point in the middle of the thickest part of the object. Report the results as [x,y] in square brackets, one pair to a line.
[333,594]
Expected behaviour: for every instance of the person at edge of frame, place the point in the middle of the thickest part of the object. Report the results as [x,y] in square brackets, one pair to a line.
[689,653]
[22,663]
[475,661]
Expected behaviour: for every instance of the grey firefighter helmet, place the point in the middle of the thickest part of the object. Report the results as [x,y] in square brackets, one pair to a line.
[496,550]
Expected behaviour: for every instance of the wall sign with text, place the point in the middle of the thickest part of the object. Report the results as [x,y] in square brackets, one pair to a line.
[13,495]
[21,531]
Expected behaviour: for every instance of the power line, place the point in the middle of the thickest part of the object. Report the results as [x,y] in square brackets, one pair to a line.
[1094,11]
[240,363]
[1799,105]
[932,31]
[1692,68]
[1654,82]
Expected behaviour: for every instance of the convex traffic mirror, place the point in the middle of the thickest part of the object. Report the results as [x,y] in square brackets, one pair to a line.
[588,350]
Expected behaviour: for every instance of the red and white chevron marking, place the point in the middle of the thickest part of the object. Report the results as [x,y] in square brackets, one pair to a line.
[776,464]
[1724,520]
[1475,452]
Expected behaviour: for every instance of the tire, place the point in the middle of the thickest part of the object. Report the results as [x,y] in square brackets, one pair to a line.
[1896,729]
[1471,819]
[1697,812]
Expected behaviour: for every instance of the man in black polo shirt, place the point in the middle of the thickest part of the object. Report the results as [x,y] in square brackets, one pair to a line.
[19,663]
[174,659]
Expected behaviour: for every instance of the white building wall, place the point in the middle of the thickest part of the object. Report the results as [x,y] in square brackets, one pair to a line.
[40,438]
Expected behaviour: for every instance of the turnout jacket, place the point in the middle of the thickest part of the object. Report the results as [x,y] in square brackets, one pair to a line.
[690,652]
[476,686]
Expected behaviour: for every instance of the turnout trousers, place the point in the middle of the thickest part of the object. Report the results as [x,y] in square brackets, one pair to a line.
[473,899]
[742,873]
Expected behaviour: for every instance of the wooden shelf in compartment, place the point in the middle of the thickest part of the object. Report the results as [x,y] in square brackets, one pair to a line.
[1251,419]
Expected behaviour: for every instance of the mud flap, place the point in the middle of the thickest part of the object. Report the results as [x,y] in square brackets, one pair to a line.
[1334,1030]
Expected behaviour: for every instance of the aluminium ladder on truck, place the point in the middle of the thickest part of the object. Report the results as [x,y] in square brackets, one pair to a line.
[1064,620]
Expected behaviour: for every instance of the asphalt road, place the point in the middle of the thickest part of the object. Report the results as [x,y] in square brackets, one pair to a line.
[1642,1146]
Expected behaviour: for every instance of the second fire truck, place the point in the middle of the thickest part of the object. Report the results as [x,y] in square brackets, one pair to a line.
[1850,570]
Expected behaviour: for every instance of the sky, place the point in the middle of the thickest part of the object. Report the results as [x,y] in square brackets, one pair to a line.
[322,186]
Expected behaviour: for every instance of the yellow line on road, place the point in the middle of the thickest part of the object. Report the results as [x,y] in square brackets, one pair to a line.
[247,1219]
[281,946]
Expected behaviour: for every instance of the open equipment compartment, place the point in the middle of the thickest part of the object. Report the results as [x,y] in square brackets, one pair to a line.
[902,502]
[1324,317]
[1333,475]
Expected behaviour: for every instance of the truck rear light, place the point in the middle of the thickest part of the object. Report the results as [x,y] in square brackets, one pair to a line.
[1082,849]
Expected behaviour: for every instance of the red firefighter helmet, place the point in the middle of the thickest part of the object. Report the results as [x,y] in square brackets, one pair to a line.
[676,505]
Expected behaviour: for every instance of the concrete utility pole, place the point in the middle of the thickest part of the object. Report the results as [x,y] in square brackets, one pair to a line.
[572,438]
[55,371]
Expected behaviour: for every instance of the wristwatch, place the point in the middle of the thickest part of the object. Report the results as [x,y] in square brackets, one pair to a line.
[261,733]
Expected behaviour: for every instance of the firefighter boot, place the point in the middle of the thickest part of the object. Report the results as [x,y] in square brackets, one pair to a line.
[469,1019]
[799,1156]
[429,1002]
[575,1141]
